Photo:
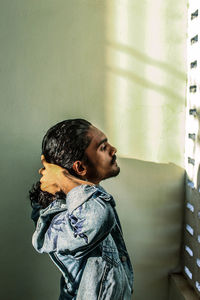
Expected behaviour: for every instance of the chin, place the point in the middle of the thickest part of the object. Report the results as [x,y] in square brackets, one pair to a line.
[113,173]
[117,171]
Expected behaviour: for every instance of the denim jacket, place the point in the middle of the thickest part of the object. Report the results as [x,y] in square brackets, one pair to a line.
[83,237]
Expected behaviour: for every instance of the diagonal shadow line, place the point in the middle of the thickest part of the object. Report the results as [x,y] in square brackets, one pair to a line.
[146,59]
[146,83]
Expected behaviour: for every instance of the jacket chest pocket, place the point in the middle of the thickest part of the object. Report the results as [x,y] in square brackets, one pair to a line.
[110,252]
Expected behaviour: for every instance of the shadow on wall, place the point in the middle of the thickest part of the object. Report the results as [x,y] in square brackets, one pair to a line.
[150,200]
[144,82]
[149,92]
[147,60]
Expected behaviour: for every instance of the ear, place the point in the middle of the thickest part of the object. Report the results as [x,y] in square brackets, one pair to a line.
[79,168]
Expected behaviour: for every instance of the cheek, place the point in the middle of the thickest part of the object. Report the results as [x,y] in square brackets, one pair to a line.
[104,161]
[101,161]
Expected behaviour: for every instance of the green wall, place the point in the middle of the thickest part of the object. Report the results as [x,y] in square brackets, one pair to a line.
[119,64]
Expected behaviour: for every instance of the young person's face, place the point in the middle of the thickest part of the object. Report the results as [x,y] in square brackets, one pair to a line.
[101,157]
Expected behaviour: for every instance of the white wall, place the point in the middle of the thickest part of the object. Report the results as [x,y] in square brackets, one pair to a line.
[119,64]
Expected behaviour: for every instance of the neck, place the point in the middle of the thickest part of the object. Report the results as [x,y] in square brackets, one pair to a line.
[92,180]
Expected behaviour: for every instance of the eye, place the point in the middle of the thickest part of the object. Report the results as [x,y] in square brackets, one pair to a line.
[103,147]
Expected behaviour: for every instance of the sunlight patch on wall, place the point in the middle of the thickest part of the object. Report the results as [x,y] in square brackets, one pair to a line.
[145,91]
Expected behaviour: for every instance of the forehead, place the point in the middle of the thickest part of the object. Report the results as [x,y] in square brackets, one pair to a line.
[96,136]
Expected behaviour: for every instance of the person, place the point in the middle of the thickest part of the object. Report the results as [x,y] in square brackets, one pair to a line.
[76,219]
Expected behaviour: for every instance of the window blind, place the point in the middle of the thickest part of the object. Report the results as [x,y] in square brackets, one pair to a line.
[191,248]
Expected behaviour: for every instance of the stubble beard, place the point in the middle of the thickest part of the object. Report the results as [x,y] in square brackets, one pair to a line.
[94,174]
[113,173]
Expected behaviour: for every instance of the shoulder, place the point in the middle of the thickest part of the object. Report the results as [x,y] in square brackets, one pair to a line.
[88,196]
[93,209]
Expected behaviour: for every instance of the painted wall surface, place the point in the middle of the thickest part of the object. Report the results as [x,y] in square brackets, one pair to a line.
[119,64]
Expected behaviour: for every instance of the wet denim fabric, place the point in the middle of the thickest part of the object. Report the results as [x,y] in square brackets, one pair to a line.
[83,236]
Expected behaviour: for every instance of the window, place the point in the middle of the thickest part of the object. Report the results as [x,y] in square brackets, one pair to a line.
[191,249]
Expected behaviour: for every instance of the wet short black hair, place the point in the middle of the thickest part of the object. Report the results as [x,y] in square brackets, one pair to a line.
[66,142]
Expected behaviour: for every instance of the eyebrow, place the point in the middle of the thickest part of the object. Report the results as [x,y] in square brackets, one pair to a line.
[103,141]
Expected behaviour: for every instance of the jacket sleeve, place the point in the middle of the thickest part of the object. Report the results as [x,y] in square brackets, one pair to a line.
[88,223]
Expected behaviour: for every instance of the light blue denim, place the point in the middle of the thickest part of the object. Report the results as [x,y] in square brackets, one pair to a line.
[82,235]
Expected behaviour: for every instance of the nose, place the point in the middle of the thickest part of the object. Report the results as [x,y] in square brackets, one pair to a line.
[113,150]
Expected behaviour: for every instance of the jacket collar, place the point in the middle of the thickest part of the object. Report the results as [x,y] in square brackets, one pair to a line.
[80,194]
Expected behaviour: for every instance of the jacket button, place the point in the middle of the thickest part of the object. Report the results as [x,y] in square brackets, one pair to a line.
[123,258]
